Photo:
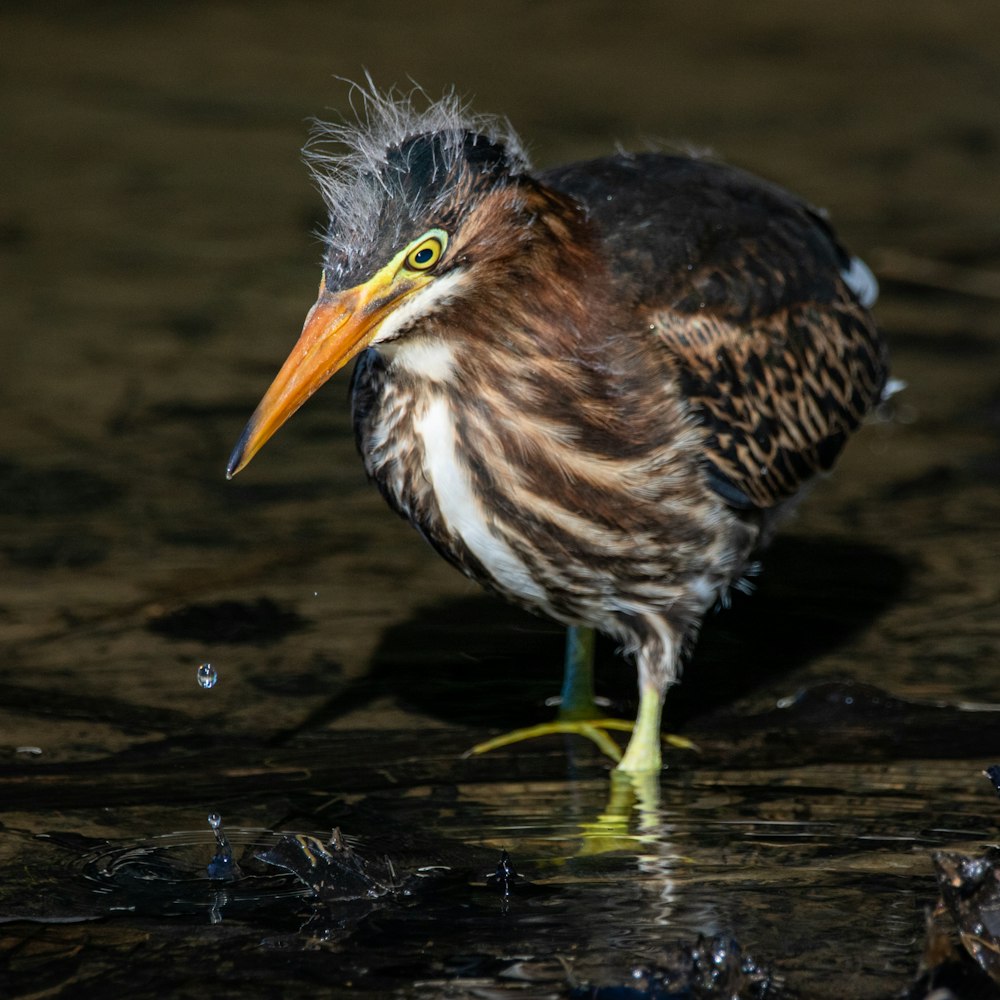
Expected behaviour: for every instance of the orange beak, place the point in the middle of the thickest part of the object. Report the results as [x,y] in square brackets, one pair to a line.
[337,328]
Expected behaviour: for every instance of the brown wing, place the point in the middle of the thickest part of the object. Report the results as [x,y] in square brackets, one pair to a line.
[779,396]
[745,284]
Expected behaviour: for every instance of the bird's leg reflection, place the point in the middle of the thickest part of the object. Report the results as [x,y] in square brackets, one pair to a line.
[612,830]
[634,823]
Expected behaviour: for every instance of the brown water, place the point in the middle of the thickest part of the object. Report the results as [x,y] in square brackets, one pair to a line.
[156,266]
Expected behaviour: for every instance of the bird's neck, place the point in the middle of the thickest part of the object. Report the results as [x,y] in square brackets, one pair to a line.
[509,366]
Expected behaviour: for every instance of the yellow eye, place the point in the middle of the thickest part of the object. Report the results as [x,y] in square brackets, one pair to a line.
[426,251]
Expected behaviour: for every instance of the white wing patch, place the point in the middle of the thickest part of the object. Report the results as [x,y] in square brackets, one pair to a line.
[463,515]
[860,280]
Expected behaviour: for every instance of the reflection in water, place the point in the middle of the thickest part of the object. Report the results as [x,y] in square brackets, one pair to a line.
[610,874]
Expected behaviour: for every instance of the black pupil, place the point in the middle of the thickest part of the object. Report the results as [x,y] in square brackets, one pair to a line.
[423,255]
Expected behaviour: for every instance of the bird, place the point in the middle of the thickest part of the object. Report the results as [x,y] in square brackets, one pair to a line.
[595,389]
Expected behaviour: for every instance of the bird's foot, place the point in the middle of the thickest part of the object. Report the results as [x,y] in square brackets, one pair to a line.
[595,729]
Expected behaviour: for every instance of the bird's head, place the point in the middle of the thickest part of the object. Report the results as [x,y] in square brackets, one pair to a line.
[411,196]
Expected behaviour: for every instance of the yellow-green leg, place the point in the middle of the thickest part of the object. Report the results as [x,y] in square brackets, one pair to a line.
[642,755]
[579,714]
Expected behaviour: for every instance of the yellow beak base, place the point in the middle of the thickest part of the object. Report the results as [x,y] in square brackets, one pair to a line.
[337,328]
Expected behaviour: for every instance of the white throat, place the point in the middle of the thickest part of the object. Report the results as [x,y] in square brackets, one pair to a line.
[415,308]
[463,514]
[421,357]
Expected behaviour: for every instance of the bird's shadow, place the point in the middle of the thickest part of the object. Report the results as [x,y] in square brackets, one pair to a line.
[480,662]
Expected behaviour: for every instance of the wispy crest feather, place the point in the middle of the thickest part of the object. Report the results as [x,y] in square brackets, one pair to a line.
[350,162]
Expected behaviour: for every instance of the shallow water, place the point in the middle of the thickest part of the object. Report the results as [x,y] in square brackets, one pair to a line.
[156,265]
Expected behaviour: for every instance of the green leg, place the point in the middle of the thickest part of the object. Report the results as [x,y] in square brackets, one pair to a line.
[578,700]
[578,711]
[580,716]
[642,755]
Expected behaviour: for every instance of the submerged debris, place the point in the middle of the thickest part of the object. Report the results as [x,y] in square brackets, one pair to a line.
[947,970]
[970,891]
[334,871]
[970,906]
[711,969]
[993,773]
[968,969]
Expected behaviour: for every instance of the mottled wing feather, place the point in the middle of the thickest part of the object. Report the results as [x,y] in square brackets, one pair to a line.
[745,285]
[779,396]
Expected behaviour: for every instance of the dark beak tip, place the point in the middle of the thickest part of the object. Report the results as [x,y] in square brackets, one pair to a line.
[235,462]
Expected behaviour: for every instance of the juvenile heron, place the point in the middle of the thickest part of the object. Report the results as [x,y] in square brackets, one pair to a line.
[596,389]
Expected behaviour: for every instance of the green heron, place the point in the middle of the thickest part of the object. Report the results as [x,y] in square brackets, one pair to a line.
[596,390]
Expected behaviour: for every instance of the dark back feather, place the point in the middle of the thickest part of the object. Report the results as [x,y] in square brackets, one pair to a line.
[745,285]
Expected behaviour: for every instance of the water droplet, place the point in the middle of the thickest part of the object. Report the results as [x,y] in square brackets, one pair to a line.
[223,865]
[207,675]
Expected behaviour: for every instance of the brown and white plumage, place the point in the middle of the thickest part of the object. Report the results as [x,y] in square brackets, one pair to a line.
[605,387]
